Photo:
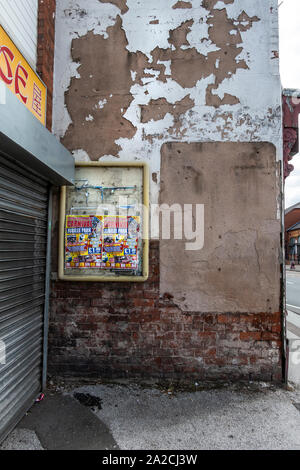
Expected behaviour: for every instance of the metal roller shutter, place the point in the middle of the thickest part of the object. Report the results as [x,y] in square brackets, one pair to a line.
[23,252]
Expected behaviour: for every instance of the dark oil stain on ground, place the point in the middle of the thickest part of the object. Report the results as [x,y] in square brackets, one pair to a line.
[88,400]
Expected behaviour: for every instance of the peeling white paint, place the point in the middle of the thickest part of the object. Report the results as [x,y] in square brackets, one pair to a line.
[256,118]
[142,37]
[101,104]
[167,64]
[81,156]
[133,75]
[153,75]
[69,25]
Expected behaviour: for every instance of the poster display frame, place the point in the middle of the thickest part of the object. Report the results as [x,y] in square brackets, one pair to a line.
[145,229]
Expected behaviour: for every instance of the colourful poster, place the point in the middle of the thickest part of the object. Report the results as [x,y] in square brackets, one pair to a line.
[103,242]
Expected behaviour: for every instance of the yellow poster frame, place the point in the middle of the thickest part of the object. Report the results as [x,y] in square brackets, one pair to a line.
[118,278]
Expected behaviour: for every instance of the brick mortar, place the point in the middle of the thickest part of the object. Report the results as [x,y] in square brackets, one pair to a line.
[127,330]
[45,50]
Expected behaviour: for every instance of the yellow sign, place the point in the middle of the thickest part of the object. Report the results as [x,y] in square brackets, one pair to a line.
[20,78]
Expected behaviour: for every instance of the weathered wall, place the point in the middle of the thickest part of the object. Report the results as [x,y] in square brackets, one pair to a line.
[130,330]
[45,50]
[206,73]
[238,269]
[157,81]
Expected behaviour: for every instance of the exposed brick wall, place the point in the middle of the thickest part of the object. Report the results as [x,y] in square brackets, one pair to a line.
[110,330]
[45,52]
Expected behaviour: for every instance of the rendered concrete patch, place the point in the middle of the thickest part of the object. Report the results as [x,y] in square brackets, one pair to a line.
[214,419]
[238,263]
[61,423]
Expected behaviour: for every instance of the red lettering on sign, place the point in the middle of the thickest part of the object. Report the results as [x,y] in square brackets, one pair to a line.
[37,100]
[9,57]
[23,81]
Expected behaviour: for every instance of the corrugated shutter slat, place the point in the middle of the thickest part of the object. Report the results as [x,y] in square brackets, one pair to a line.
[23,247]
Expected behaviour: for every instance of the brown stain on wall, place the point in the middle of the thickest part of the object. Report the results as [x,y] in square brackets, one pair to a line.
[99,81]
[178,36]
[220,30]
[216,101]
[157,109]
[188,65]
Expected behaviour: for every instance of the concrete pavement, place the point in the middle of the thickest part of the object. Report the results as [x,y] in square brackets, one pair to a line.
[60,422]
[250,417]
[256,416]
[296,269]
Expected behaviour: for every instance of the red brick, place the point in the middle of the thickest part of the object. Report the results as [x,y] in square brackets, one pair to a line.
[267,336]
[250,335]
[45,50]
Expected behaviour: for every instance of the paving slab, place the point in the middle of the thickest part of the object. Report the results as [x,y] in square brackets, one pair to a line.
[61,423]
